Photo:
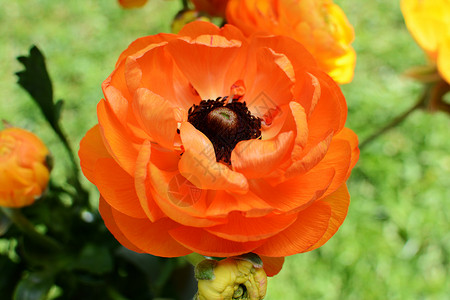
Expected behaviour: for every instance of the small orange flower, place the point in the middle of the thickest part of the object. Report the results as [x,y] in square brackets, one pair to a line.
[211,7]
[428,21]
[132,3]
[24,170]
[320,25]
[213,143]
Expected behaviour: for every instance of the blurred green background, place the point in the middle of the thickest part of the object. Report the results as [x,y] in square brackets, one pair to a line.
[395,242]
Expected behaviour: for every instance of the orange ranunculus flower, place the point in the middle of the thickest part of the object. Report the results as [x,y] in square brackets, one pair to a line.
[24,170]
[132,3]
[320,25]
[211,7]
[428,21]
[213,143]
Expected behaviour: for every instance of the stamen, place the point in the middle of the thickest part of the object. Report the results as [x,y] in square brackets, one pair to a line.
[225,124]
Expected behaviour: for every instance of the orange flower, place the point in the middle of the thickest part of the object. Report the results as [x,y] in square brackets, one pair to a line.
[24,170]
[211,7]
[132,3]
[320,25]
[212,143]
[428,21]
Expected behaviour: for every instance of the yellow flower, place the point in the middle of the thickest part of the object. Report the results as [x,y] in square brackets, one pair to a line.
[320,25]
[239,277]
[428,21]
[24,170]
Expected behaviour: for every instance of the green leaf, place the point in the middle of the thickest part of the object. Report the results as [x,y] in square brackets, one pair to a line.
[34,286]
[95,259]
[36,81]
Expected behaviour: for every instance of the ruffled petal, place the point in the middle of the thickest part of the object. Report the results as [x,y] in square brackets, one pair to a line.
[249,204]
[143,190]
[270,81]
[151,237]
[106,213]
[123,147]
[256,158]
[199,164]
[272,265]
[210,78]
[156,116]
[242,229]
[205,243]
[91,150]
[338,202]
[294,194]
[310,226]
[117,187]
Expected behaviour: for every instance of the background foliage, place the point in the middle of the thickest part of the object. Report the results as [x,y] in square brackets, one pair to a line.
[395,242]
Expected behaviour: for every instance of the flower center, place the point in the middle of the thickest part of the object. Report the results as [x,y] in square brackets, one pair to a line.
[225,124]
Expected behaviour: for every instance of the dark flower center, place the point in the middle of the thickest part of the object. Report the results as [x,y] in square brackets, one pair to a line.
[225,124]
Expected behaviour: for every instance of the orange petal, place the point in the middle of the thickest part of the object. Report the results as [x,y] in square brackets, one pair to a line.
[211,78]
[156,116]
[330,111]
[106,213]
[349,136]
[152,238]
[179,199]
[339,158]
[143,190]
[144,42]
[269,84]
[251,205]
[123,147]
[256,158]
[117,187]
[311,157]
[205,243]
[242,229]
[301,124]
[272,265]
[338,202]
[91,149]
[310,226]
[199,163]
[294,194]
[198,28]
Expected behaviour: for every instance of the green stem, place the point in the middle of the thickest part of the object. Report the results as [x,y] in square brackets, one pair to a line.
[76,171]
[419,104]
[194,258]
[185,4]
[16,216]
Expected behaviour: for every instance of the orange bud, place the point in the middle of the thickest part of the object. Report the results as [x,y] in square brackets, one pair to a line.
[132,3]
[24,169]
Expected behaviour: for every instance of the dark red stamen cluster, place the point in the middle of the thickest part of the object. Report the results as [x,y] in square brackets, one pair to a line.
[225,124]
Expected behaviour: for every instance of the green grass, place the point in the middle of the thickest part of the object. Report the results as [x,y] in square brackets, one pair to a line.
[395,242]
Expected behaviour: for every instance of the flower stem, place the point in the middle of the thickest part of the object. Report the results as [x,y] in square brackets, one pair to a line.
[185,4]
[83,195]
[419,104]
[16,216]
[194,258]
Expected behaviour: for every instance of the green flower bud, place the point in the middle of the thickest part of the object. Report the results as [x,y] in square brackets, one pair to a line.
[240,277]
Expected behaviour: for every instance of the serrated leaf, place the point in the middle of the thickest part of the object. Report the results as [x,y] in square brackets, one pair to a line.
[35,286]
[36,81]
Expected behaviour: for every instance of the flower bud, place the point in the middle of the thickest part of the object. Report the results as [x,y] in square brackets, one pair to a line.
[132,3]
[24,167]
[240,277]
